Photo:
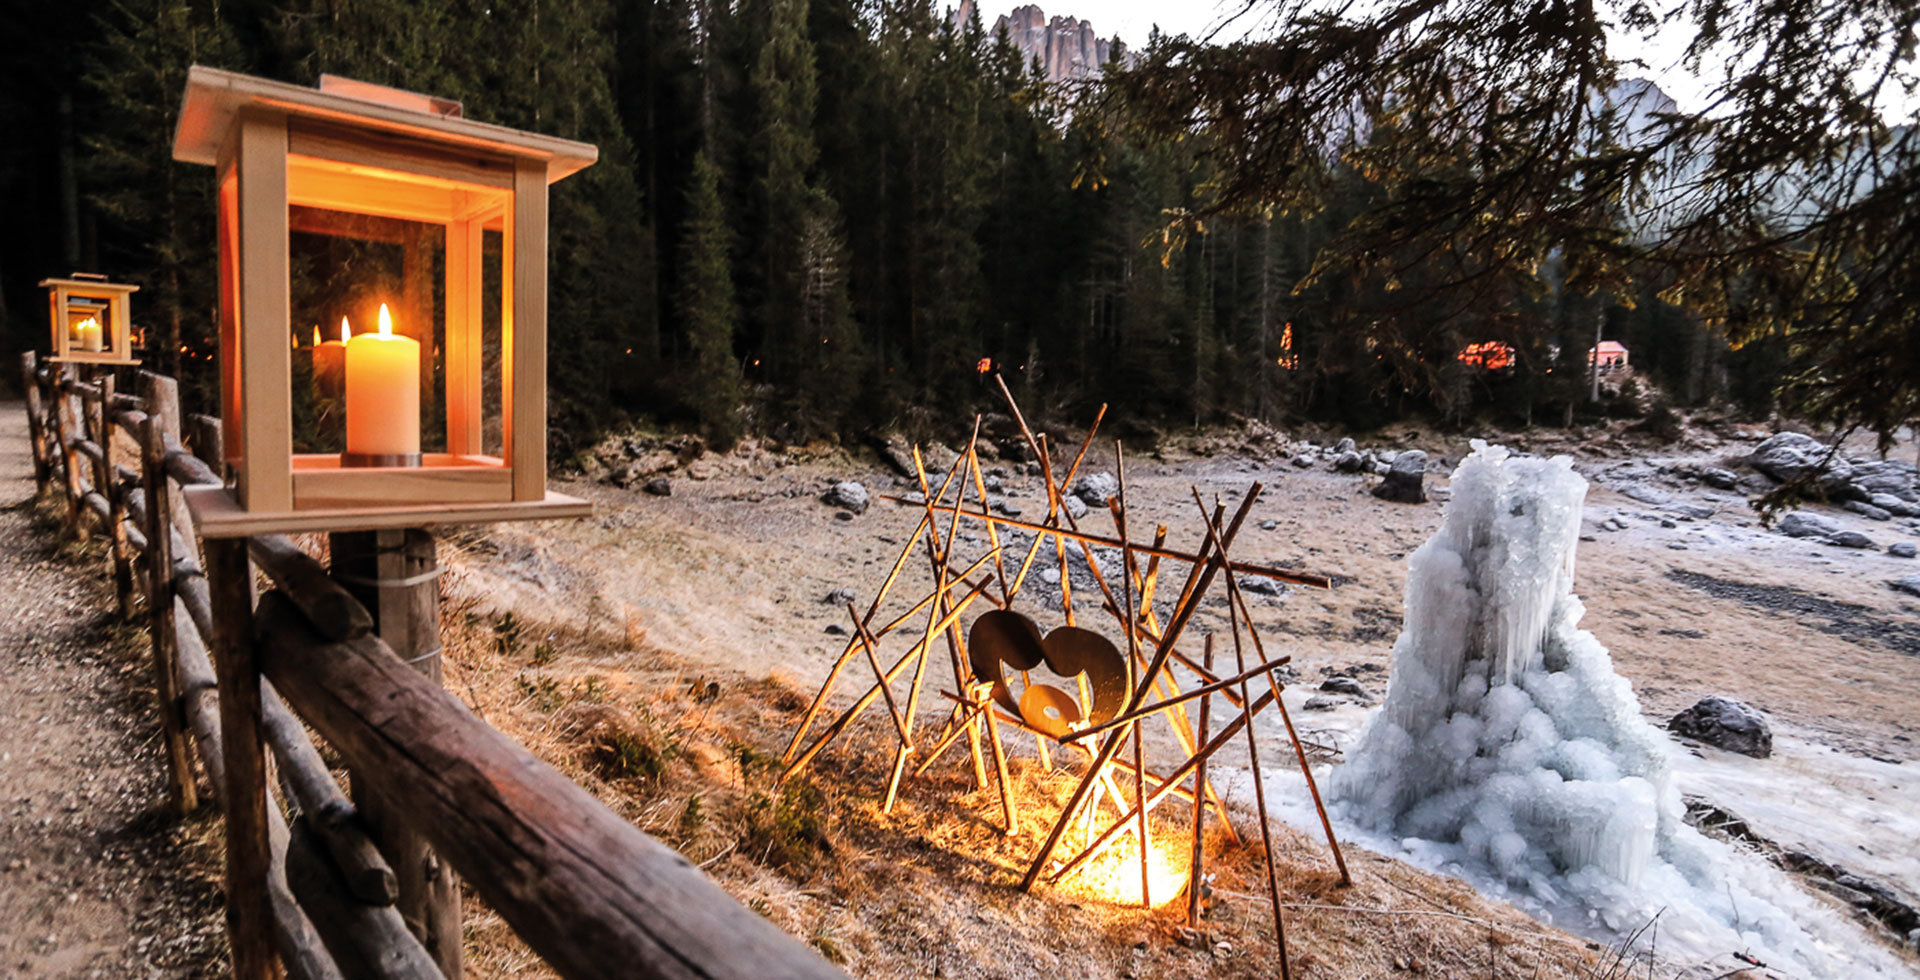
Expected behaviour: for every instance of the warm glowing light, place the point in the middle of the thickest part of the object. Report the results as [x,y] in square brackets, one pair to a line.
[316,335]
[346,332]
[1113,875]
[1491,355]
[386,321]
[985,365]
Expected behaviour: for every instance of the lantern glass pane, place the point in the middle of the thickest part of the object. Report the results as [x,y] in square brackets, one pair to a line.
[345,266]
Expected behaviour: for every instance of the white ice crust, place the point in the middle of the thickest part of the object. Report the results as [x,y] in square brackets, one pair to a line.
[1509,750]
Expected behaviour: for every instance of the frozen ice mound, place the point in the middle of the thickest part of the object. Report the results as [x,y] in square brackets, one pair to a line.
[1508,748]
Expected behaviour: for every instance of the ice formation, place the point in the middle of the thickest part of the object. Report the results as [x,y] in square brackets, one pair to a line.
[1508,749]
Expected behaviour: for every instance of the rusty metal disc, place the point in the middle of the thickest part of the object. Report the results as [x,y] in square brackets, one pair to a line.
[1049,709]
[999,637]
[1071,650]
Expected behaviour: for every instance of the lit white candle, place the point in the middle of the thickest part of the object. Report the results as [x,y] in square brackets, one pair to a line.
[383,392]
[89,334]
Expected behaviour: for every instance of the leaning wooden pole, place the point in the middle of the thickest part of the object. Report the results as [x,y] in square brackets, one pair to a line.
[163,403]
[396,575]
[249,849]
[36,421]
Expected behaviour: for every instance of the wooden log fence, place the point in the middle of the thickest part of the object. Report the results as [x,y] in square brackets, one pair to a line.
[313,891]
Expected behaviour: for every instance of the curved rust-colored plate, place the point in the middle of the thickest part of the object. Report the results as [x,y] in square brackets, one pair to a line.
[998,637]
[1049,709]
[1071,650]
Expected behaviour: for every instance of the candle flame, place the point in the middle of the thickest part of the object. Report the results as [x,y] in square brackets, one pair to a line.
[89,322]
[346,333]
[316,335]
[386,321]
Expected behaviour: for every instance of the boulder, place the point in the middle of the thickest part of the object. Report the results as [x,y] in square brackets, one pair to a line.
[1406,479]
[1787,455]
[1868,510]
[898,453]
[660,486]
[1302,461]
[939,459]
[1343,685]
[1093,489]
[1075,507]
[1851,539]
[1893,505]
[848,495]
[1345,445]
[1726,724]
[1647,495]
[1909,584]
[1260,585]
[1895,478]
[1901,549]
[1718,478]
[838,597]
[1801,524]
[1348,462]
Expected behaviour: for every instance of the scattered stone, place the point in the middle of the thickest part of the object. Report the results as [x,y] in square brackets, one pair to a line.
[835,629]
[1008,509]
[1695,511]
[1344,446]
[1787,455]
[1343,685]
[839,597]
[1302,461]
[1901,549]
[1075,507]
[1406,480]
[849,495]
[1910,585]
[1320,703]
[1668,524]
[1800,524]
[1893,505]
[660,486]
[1261,586]
[1269,525]
[1868,510]
[1094,488]
[1851,539]
[939,458]
[1727,724]
[1647,495]
[1718,478]
[1348,462]
[985,449]
[842,515]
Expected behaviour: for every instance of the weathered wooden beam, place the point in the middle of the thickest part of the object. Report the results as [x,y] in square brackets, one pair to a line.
[585,889]
[327,811]
[328,606]
[36,435]
[369,941]
[301,950]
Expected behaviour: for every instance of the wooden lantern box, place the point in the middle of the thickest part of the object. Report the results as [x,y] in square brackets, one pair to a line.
[378,164]
[90,322]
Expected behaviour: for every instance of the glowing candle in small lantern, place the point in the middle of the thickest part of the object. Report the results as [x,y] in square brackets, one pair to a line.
[88,334]
[383,396]
[329,361]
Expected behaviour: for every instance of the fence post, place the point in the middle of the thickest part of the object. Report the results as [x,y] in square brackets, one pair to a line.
[249,851]
[36,422]
[396,575]
[65,420]
[163,417]
[120,548]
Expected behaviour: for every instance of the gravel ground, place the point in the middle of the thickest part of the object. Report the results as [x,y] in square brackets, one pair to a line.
[96,879]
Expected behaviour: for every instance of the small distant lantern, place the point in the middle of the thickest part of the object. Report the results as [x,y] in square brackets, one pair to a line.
[90,322]
[382,306]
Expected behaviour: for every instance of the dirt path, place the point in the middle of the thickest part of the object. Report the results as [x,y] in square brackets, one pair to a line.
[95,879]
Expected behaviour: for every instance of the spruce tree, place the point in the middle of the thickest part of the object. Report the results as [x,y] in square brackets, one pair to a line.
[707,309]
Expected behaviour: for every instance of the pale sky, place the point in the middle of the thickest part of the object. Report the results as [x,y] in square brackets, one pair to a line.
[1133,19]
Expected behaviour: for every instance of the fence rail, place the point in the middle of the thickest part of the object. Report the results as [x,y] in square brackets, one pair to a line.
[311,890]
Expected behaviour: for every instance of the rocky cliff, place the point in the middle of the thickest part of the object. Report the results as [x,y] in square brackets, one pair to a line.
[1066,48]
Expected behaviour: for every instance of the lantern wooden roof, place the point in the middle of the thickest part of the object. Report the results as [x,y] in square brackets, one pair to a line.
[90,286]
[214,99]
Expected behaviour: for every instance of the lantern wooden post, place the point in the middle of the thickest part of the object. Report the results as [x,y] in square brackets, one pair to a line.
[396,575]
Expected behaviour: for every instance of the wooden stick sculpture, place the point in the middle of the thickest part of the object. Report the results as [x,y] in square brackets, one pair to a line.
[1117,690]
